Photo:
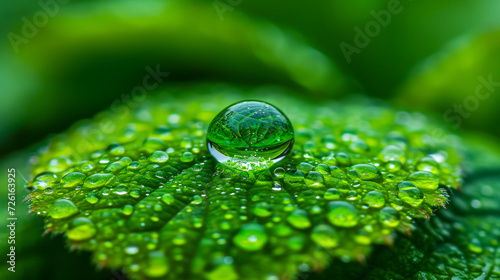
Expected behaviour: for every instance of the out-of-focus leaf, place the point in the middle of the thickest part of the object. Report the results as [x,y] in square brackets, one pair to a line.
[462,82]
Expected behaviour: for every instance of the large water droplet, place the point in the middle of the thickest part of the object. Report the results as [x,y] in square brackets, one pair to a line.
[250,135]
[62,208]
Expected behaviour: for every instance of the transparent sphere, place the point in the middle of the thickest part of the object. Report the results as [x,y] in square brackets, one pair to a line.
[250,135]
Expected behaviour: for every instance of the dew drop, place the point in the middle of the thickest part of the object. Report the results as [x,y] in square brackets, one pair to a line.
[410,194]
[128,210]
[62,208]
[342,214]
[80,229]
[389,216]
[44,180]
[251,237]
[97,180]
[332,194]
[264,134]
[131,249]
[158,157]
[72,179]
[168,198]
[299,219]
[92,198]
[364,172]
[314,179]
[156,264]
[424,180]
[374,199]
[187,157]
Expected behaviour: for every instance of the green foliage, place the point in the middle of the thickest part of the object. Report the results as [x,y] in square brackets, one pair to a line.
[139,188]
[462,242]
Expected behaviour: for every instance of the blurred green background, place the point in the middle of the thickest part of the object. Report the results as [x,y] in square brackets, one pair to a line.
[62,61]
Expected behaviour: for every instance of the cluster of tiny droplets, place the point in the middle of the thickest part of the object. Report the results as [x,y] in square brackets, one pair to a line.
[148,196]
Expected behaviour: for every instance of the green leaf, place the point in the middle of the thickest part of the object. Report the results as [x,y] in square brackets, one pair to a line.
[139,188]
[472,103]
[460,243]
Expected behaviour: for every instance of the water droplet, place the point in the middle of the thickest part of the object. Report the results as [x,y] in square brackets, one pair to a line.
[276,186]
[393,165]
[428,164]
[44,180]
[80,229]
[374,199]
[121,189]
[156,264]
[364,172]
[248,134]
[135,194]
[197,199]
[410,194]
[131,249]
[314,179]
[475,246]
[251,237]
[298,219]
[59,164]
[86,166]
[92,198]
[392,153]
[158,157]
[294,177]
[168,198]
[72,179]
[389,216]
[262,209]
[296,243]
[62,208]
[325,236]
[187,157]
[342,214]
[128,210]
[134,165]
[322,168]
[424,180]
[343,159]
[97,180]
[197,167]
[332,194]
[279,172]
[306,167]
[116,149]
